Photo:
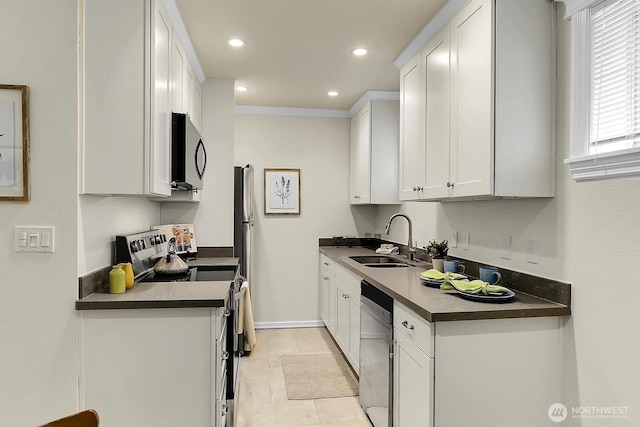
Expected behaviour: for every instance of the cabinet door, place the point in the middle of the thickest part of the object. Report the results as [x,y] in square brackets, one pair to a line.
[411,145]
[159,159]
[170,369]
[324,296]
[333,306]
[343,327]
[412,385]
[354,332]
[361,157]
[435,65]
[472,158]
[178,60]
[196,115]
[187,87]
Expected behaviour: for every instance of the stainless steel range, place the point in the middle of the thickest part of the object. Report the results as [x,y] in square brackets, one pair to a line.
[143,250]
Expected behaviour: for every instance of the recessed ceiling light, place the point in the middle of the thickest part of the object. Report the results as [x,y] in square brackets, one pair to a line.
[242,88]
[236,42]
[359,51]
[332,93]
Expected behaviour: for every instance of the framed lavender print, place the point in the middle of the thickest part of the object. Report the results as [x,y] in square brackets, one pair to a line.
[14,143]
[282,191]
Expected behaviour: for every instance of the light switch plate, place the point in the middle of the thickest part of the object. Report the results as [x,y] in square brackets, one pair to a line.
[453,242]
[505,246]
[34,239]
[466,238]
[532,252]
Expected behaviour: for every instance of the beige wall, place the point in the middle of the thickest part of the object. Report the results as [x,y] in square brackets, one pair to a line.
[38,332]
[285,287]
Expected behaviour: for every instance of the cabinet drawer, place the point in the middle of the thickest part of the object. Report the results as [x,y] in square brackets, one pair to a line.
[348,279]
[419,331]
[327,264]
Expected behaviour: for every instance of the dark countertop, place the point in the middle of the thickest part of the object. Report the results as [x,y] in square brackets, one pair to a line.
[165,294]
[403,284]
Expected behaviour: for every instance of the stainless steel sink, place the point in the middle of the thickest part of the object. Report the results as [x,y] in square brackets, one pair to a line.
[379,261]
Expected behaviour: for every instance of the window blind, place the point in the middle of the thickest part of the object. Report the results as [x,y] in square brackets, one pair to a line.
[615,76]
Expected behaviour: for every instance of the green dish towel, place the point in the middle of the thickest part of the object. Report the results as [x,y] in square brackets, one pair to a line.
[477,287]
[438,275]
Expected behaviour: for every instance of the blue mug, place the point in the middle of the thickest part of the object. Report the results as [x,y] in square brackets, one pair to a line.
[490,274]
[454,266]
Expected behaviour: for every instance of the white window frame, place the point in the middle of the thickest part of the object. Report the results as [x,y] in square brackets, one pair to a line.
[585,166]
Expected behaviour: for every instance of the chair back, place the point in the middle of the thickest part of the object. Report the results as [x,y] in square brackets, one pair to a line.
[88,418]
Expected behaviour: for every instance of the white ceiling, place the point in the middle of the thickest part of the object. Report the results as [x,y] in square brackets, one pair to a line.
[298,50]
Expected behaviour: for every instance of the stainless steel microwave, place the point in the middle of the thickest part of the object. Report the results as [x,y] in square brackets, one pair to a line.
[188,154]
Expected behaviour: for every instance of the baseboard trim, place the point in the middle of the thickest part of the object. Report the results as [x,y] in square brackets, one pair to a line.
[287,325]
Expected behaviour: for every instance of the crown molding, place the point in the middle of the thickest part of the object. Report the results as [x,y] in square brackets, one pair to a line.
[433,27]
[292,111]
[374,95]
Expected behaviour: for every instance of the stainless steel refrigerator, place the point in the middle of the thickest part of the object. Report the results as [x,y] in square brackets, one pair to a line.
[243,220]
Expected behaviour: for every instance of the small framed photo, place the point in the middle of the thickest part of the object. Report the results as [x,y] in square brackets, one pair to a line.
[282,191]
[14,143]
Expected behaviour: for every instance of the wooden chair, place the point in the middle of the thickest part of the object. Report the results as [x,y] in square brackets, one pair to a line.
[88,418]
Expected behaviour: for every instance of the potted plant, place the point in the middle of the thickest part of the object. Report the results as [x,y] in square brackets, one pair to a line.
[437,252]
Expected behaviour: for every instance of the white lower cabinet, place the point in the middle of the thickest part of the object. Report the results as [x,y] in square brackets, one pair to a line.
[340,303]
[494,372]
[412,384]
[413,369]
[154,367]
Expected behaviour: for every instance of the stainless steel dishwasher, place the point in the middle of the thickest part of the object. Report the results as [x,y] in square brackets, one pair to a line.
[376,355]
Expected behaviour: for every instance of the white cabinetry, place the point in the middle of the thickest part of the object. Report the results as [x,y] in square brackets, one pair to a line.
[374,153]
[160,367]
[441,369]
[185,87]
[340,307]
[411,174]
[412,369]
[486,122]
[133,77]
[125,76]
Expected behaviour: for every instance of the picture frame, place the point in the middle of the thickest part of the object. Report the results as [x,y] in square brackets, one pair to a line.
[14,143]
[281,191]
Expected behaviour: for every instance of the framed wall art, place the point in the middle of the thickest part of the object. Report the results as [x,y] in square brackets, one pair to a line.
[282,191]
[14,143]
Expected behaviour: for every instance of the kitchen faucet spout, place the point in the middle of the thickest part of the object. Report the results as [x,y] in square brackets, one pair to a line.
[412,249]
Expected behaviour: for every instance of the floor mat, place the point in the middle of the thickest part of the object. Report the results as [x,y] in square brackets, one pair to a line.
[318,376]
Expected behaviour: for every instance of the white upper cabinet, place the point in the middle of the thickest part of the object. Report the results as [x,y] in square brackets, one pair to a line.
[132,79]
[412,166]
[374,154]
[435,80]
[487,105]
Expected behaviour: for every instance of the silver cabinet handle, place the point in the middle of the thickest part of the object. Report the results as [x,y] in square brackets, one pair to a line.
[227,313]
[418,188]
[450,184]
[224,410]
[407,325]
[224,355]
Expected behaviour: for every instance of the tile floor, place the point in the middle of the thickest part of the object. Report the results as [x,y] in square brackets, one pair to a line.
[262,399]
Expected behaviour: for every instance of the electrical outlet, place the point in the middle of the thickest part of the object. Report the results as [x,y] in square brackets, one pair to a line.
[505,246]
[532,252]
[453,242]
[466,237]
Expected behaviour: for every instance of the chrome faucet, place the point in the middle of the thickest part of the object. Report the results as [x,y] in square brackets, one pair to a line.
[412,249]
